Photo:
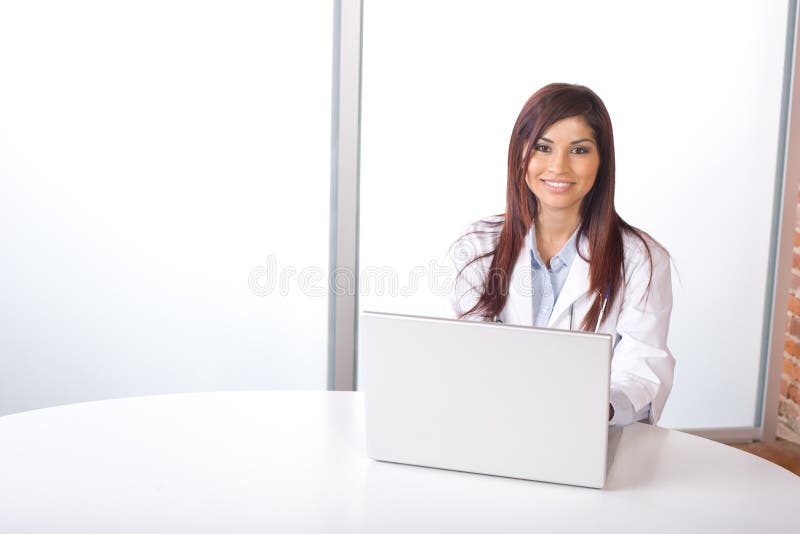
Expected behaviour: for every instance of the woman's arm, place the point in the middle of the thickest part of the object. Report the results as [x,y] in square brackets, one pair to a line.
[470,276]
[642,367]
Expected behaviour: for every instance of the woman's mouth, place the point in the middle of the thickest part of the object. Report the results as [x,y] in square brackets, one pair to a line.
[557,185]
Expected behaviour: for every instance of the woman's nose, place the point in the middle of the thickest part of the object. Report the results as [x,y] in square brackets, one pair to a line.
[557,161]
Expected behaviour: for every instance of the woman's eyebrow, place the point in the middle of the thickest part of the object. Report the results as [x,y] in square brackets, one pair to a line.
[583,140]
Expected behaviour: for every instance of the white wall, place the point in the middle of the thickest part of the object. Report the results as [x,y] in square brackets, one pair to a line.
[152,155]
[162,163]
[694,91]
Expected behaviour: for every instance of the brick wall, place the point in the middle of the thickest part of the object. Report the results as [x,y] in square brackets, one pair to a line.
[789,404]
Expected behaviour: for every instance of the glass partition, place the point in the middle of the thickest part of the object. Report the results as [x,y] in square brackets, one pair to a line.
[694,90]
[164,185]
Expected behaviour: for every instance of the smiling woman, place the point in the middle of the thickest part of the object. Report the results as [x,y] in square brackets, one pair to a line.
[588,269]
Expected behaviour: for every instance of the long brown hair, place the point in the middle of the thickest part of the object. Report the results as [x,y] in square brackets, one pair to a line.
[600,223]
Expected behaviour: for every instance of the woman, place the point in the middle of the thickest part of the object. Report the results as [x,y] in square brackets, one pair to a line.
[561,256]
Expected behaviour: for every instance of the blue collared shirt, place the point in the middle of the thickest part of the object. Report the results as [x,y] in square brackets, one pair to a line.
[546,283]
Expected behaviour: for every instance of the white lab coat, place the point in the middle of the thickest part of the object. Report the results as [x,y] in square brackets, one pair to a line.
[642,365]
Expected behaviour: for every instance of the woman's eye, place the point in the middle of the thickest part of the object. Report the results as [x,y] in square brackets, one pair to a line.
[580,150]
[542,148]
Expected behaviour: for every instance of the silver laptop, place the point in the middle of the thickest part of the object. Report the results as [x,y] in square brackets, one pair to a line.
[488,398]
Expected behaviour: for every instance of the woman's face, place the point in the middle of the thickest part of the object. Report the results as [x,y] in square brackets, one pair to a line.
[563,165]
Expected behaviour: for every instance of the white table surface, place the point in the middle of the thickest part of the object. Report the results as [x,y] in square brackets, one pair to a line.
[295,462]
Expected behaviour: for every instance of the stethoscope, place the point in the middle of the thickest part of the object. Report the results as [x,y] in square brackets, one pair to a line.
[600,316]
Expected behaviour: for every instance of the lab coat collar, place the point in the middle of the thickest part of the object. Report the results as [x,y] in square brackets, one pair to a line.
[575,286]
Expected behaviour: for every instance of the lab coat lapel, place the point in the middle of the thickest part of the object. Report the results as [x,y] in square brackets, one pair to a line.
[520,300]
[575,286]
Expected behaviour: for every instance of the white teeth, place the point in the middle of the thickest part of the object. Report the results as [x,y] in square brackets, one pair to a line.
[559,185]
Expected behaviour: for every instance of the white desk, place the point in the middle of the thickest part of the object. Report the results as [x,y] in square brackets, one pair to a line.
[294,462]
